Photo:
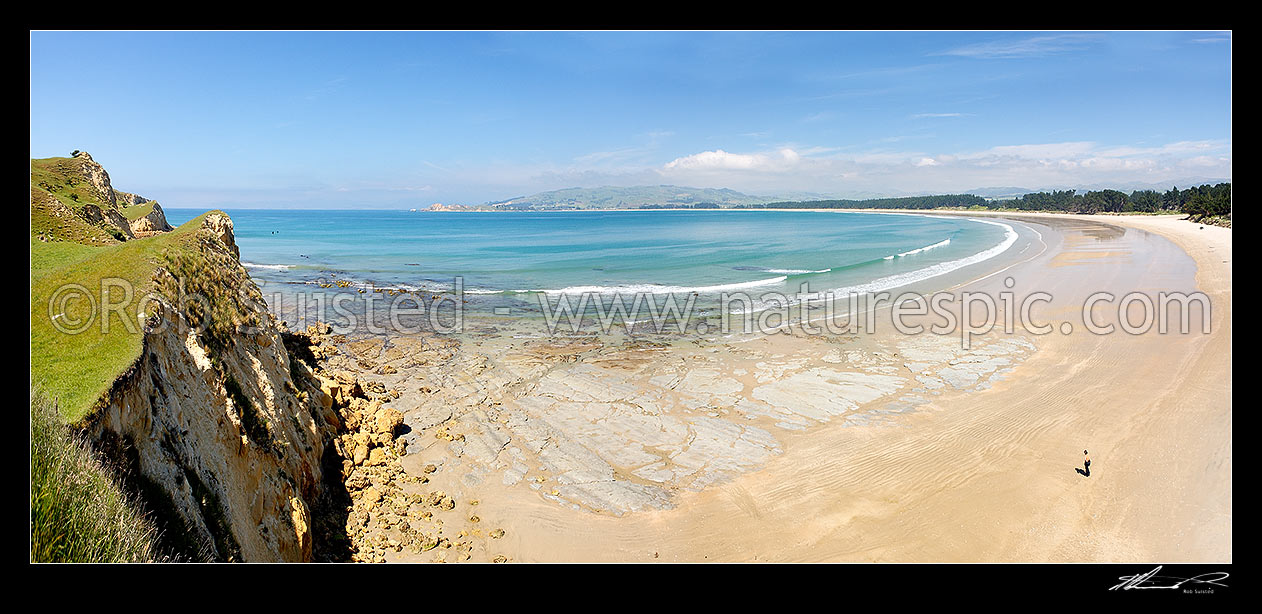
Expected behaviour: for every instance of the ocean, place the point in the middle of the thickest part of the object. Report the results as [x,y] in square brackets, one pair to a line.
[514,260]
[602,251]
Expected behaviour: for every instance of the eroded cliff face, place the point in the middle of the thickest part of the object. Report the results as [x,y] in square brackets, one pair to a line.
[108,217]
[129,199]
[151,223]
[105,210]
[222,429]
[97,177]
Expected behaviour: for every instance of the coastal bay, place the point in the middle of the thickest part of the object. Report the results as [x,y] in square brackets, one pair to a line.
[869,447]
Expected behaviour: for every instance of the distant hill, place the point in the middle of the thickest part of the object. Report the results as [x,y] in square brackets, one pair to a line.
[670,196]
[612,197]
[1000,192]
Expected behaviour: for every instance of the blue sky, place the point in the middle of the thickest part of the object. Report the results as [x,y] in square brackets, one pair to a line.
[344,119]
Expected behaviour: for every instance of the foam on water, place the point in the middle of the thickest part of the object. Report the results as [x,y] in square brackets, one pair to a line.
[269,267]
[926,248]
[910,277]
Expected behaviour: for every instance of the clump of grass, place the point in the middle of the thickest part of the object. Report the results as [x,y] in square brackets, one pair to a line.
[1215,220]
[79,511]
[208,283]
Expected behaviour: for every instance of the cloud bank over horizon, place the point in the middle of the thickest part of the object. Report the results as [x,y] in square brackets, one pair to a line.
[788,171]
[1035,166]
[407,119]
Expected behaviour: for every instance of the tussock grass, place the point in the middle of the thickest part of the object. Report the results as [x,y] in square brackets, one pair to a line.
[79,510]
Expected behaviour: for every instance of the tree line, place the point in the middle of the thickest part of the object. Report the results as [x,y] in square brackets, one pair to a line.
[1198,201]
[907,202]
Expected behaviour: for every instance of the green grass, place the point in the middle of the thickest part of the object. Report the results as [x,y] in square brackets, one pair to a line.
[55,221]
[79,509]
[76,369]
[59,189]
[79,512]
[62,178]
[136,212]
[48,257]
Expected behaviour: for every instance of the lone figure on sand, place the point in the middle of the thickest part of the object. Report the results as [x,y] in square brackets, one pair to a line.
[1086,464]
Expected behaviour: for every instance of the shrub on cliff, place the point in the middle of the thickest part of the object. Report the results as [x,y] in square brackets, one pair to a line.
[79,512]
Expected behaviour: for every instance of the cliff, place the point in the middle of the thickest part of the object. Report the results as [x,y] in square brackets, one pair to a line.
[147,219]
[222,424]
[79,187]
[189,393]
[223,431]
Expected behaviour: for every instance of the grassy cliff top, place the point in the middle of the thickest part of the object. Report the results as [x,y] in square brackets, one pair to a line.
[59,192]
[74,283]
[84,276]
[63,178]
[56,221]
[136,212]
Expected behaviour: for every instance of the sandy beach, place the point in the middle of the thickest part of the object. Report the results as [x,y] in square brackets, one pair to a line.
[879,447]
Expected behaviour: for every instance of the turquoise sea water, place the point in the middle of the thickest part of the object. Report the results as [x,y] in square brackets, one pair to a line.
[510,254]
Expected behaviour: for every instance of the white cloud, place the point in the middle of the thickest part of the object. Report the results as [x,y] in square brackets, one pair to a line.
[1028,47]
[650,142]
[1038,151]
[1033,165]
[885,169]
[722,160]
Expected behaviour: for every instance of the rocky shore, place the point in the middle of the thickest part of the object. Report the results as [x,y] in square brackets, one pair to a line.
[388,510]
[443,436]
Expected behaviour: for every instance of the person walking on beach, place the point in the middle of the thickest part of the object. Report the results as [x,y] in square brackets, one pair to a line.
[1086,464]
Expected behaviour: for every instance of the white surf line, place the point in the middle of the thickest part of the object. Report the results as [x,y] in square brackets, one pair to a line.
[919,250]
[910,277]
[270,267]
[971,281]
[1027,227]
[795,271]
[877,309]
[658,289]
[759,334]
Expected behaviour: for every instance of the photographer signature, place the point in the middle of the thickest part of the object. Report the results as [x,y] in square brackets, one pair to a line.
[1152,580]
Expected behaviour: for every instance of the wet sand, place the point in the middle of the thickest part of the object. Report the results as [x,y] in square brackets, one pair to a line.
[869,447]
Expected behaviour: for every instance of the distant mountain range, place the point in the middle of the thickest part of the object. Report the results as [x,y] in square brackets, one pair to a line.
[612,197]
[666,196]
[670,196]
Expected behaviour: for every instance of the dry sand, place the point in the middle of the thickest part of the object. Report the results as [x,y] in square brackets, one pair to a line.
[585,452]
